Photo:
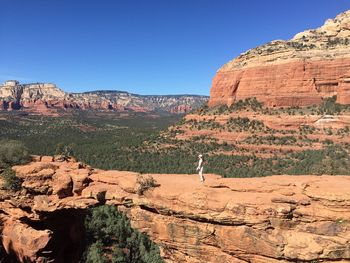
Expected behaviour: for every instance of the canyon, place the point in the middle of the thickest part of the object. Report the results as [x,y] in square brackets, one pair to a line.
[269,219]
[313,65]
[48,99]
[278,218]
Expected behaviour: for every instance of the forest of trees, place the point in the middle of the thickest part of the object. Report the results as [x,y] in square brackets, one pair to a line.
[110,238]
[133,144]
[12,153]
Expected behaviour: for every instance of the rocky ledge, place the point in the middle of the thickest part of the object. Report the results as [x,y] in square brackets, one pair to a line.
[270,219]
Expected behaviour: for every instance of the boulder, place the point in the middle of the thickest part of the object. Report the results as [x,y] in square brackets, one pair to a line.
[62,184]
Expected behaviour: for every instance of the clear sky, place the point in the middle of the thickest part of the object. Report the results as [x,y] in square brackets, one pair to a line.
[143,46]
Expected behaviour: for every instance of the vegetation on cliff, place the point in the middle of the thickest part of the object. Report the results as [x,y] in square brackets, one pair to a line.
[328,106]
[11,181]
[13,152]
[110,238]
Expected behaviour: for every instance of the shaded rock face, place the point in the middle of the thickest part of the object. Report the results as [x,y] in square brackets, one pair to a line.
[313,65]
[59,235]
[35,230]
[47,99]
[67,239]
[3,105]
[271,219]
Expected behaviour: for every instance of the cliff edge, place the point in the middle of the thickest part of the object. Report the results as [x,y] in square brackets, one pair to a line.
[269,219]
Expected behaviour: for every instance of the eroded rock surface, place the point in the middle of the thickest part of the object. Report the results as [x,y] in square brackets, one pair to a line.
[270,219]
[301,71]
[48,99]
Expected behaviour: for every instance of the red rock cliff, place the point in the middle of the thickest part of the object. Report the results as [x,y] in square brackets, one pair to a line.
[48,99]
[259,220]
[301,71]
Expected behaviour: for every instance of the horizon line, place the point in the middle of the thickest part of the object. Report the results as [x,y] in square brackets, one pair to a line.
[105,90]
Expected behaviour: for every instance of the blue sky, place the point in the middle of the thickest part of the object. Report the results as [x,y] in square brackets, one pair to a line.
[143,46]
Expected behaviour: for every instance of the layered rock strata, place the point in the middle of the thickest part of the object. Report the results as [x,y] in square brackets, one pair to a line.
[271,219]
[47,98]
[315,64]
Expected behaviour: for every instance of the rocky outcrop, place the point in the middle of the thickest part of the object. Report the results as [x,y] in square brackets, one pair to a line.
[313,65]
[271,219]
[46,98]
[181,109]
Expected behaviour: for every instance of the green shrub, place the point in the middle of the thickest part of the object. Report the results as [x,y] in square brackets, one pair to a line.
[245,124]
[271,140]
[343,131]
[64,150]
[249,103]
[208,125]
[330,107]
[306,129]
[95,252]
[110,238]
[145,183]
[246,104]
[13,152]
[11,181]
[327,142]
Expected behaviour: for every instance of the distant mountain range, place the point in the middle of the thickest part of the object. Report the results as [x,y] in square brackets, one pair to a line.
[48,99]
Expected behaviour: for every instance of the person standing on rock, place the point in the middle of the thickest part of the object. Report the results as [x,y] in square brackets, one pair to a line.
[200,167]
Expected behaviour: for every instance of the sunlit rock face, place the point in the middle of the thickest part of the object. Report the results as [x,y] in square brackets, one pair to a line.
[301,71]
[270,219]
[48,99]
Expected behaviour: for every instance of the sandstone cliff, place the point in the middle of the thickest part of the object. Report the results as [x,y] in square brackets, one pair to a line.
[47,98]
[313,65]
[271,219]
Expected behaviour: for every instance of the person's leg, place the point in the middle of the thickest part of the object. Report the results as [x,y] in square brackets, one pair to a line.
[201,174]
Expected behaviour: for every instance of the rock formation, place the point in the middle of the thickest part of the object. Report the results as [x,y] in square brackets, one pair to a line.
[313,65]
[47,98]
[258,220]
